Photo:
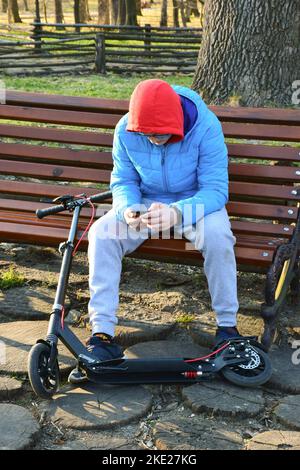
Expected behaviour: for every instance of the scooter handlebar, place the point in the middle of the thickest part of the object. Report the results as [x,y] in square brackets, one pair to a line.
[41,213]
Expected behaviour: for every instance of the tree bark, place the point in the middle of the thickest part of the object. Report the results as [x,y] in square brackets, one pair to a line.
[13,12]
[4,6]
[83,11]
[59,15]
[26,5]
[121,12]
[113,11]
[131,18]
[103,12]
[164,13]
[250,51]
[175,14]
[138,5]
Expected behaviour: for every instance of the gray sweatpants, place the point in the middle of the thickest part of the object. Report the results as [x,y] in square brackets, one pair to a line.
[110,240]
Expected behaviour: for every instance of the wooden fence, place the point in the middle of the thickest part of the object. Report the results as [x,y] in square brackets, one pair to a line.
[63,48]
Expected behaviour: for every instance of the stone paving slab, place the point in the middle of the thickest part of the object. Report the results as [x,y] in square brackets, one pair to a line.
[18,428]
[20,336]
[27,303]
[275,440]
[163,349]
[223,398]
[288,411]
[96,443]
[195,434]
[203,330]
[286,373]
[129,333]
[95,406]
[9,388]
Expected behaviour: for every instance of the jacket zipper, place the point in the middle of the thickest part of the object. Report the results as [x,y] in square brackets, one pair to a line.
[164,169]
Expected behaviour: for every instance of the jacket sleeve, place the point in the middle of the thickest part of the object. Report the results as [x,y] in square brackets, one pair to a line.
[125,180]
[212,175]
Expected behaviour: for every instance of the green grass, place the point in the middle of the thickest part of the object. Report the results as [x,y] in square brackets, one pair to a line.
[184,319]
[11,278]
[93,85]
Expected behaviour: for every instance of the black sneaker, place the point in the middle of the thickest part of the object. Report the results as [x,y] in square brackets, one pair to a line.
[101,346]
[225,333]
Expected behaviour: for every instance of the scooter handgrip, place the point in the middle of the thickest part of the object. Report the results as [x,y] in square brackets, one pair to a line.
[41,213]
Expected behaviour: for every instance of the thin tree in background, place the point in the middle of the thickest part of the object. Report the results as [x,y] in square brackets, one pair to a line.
[59,15]
[175,14]
[4,6]
[13,12]
[121,12]
[26,7]
[250,51]
[131,18]
[84,11]
[164,13]
[182,12]
[138,5]
[103,12]
[113,11]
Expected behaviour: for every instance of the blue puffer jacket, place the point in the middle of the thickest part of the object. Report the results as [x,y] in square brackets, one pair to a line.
[192,171]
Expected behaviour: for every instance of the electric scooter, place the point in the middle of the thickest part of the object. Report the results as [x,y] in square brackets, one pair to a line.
[242,361]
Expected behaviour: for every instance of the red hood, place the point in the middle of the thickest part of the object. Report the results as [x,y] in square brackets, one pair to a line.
[155,108]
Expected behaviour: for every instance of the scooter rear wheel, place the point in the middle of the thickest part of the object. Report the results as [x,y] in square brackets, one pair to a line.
[256,372]
[44,383]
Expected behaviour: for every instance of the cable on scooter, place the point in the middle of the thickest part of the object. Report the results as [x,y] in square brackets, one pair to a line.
[209,355]
[62,321]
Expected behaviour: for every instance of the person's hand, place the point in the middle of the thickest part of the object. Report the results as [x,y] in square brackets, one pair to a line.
[160,217]
[132,218]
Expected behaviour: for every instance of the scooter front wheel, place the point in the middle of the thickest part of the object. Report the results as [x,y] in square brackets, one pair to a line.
[44,383]
[252,374]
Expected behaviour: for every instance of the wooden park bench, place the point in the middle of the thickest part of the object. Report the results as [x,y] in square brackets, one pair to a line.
[264,178]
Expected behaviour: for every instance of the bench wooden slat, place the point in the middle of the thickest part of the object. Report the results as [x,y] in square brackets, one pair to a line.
[264,152]
[63,221]
[173,248]
[26,209]
[57,135]
[234,208]
[261,131]
[254,115]
[241,188]
[42,190]
[70,118]
[252,170]
[78,103]
[67,156]
[57,172]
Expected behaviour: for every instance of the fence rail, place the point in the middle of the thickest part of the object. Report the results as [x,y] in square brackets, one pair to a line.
[68,47]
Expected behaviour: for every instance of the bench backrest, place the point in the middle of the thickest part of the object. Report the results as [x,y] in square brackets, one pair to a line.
[62,139]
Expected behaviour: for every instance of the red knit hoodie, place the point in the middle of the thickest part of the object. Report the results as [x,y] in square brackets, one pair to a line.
[155,108]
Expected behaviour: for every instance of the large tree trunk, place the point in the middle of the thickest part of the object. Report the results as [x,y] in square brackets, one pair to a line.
[13,12]
[131,18]
[164,13]
[83,11]
[250,50]
[103,12]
